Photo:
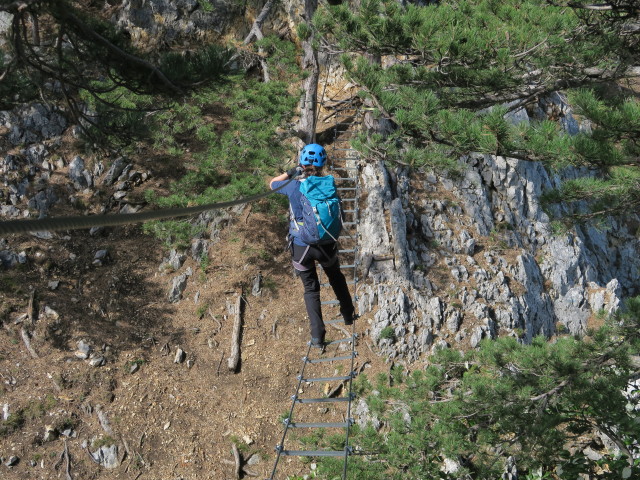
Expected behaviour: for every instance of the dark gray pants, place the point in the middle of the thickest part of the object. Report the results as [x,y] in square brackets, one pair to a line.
[304,261]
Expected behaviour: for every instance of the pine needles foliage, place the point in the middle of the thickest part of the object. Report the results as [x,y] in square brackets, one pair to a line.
[206,64]
[14,87]
[540,403]
[234,163]
[612,147]
[447,74]
[114,114]
[230,162]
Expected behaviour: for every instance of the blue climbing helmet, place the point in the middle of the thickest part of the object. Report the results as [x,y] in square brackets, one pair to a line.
[313,154]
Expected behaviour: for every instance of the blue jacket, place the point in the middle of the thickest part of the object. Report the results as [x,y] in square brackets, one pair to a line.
[292,190]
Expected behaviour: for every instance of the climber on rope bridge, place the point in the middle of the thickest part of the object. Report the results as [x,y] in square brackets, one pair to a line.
[314,228]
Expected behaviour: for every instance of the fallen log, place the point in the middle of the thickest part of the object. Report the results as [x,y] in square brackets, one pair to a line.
[236,337]
[236,458]
[27,343]
[29,322]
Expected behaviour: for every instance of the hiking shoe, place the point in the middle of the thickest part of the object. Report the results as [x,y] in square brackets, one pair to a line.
[317,342]
[349,320]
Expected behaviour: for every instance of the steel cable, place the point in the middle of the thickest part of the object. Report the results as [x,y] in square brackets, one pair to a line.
[88,221]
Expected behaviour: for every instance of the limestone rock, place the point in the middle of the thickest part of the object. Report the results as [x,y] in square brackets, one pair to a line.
[107,456]
[173,262]
[179,284]
[180,356]
[79,175]
[83,350]
[114,171]
[32,123]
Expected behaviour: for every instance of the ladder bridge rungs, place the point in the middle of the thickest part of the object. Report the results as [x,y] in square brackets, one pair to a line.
[349,211]
[326,379]
[342,340]
[347,189]
[349,282]
[349,250]
[335,320]
[330,302]
[320,425]
[333,359]
[322,400]
[349,223]
[313,453]
[347,266]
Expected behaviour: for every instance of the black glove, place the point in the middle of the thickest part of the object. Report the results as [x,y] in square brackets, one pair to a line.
[294,172]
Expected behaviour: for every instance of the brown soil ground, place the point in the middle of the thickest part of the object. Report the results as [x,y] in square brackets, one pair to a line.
[170,420]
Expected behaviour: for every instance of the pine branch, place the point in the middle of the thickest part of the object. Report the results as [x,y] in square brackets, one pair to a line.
[609,432]
[84,28]
[256,28]
[601,7]
[555,390]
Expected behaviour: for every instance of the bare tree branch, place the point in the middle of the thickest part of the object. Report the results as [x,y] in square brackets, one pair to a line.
[256,29]
[121,53]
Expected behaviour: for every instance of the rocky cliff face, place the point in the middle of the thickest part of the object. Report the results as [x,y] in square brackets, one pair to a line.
[170,22]
[153,23]
[455,261]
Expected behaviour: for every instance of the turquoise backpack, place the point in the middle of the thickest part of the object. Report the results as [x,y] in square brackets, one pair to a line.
[321,212]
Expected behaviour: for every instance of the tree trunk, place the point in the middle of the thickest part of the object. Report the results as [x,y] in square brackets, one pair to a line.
[256,32]
[308,107]
[256,28]
[372,122]
[35,30]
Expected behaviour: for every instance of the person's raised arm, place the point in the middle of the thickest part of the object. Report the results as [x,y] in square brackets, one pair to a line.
[279,178]
[292,172]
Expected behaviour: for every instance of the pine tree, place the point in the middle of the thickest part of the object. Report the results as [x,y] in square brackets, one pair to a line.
[451,70]
[70,49]
[540,405]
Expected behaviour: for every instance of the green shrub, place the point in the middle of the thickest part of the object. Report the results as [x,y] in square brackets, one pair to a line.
[14,422]
[174,233]
[387,333]
[507,399]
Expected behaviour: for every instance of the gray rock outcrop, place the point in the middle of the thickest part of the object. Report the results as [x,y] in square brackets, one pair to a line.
[107,456]
[32,123]
[477,257]
[115,170]
[178,285]
[79,175]
[150,22]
